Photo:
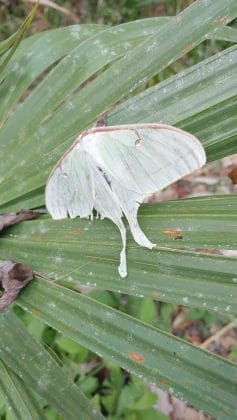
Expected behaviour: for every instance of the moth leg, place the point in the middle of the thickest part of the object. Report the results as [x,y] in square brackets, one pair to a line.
[102,120]
[138,142]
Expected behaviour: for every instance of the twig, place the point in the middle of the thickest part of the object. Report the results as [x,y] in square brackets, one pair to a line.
[218,334]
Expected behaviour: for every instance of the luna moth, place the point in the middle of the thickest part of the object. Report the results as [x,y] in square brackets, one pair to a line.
[113,169]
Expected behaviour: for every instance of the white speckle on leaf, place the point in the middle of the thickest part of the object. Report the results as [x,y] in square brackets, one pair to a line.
[74,32]
[44,382]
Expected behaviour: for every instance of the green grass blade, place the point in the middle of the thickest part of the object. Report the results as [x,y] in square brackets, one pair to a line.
[73,70]
[7,43]
[87,253]
[34,56]
[199,378]
[20,400]
[189,100]
[217,128]
[225,33]
[22,353]
[18,37]
[203,85]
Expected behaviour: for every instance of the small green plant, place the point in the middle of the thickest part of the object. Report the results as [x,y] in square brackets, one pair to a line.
[56,85]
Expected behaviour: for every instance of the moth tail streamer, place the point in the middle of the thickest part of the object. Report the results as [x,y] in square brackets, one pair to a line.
[122,269]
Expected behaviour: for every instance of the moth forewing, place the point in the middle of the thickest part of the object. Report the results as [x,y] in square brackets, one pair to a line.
[70,188]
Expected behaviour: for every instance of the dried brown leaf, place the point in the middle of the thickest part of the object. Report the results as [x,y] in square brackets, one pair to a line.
[233,175]
[13,277]
[9,219]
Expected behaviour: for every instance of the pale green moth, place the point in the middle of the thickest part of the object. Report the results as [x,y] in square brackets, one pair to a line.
[113,169]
